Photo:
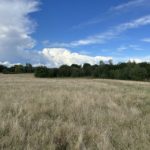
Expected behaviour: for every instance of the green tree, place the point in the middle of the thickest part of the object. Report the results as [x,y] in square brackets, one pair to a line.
[41,72]
[53,72]
[87,69]
[64,71]
[2,67]
[28,68]
[101,63]
[19,69]
[110,61]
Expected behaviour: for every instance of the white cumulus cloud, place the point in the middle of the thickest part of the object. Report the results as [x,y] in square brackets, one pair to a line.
[59,56]
[16,43]
[16,28]
[55,57]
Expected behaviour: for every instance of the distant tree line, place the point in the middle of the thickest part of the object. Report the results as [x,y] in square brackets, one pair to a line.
[28,68]
[123,71]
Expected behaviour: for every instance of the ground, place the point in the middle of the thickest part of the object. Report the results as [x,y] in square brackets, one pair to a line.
[73,114]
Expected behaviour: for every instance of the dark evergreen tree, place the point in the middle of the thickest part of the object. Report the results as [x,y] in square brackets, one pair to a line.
[87,70]
[2,67]
[41,72]
[64,71]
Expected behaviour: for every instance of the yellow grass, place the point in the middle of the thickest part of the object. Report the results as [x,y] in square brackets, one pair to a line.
[73,114]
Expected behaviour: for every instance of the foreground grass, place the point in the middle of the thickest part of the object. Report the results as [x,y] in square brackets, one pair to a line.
[73,114]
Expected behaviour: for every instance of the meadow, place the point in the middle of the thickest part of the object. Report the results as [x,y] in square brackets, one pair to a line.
[73,114]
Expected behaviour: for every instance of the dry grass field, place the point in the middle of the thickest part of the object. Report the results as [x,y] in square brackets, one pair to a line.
[73,114]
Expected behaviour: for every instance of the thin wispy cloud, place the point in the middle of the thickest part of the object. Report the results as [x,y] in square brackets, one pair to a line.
[89,22]
[122,48]
[108,35]
[135,47]
[146,40]
[130,4]
[132,47]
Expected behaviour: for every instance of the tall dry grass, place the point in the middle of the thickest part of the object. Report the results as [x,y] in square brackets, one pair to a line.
[73,114]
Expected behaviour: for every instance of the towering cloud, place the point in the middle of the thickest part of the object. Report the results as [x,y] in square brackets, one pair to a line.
[15,28]
[59,56]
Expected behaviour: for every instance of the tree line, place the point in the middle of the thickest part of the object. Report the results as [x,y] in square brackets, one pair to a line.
[28,68]
[123,71]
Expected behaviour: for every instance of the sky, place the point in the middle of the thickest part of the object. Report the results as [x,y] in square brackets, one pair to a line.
[56,32]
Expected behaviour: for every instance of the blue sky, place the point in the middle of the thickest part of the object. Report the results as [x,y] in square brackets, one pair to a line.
[68,20]
[84,30]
